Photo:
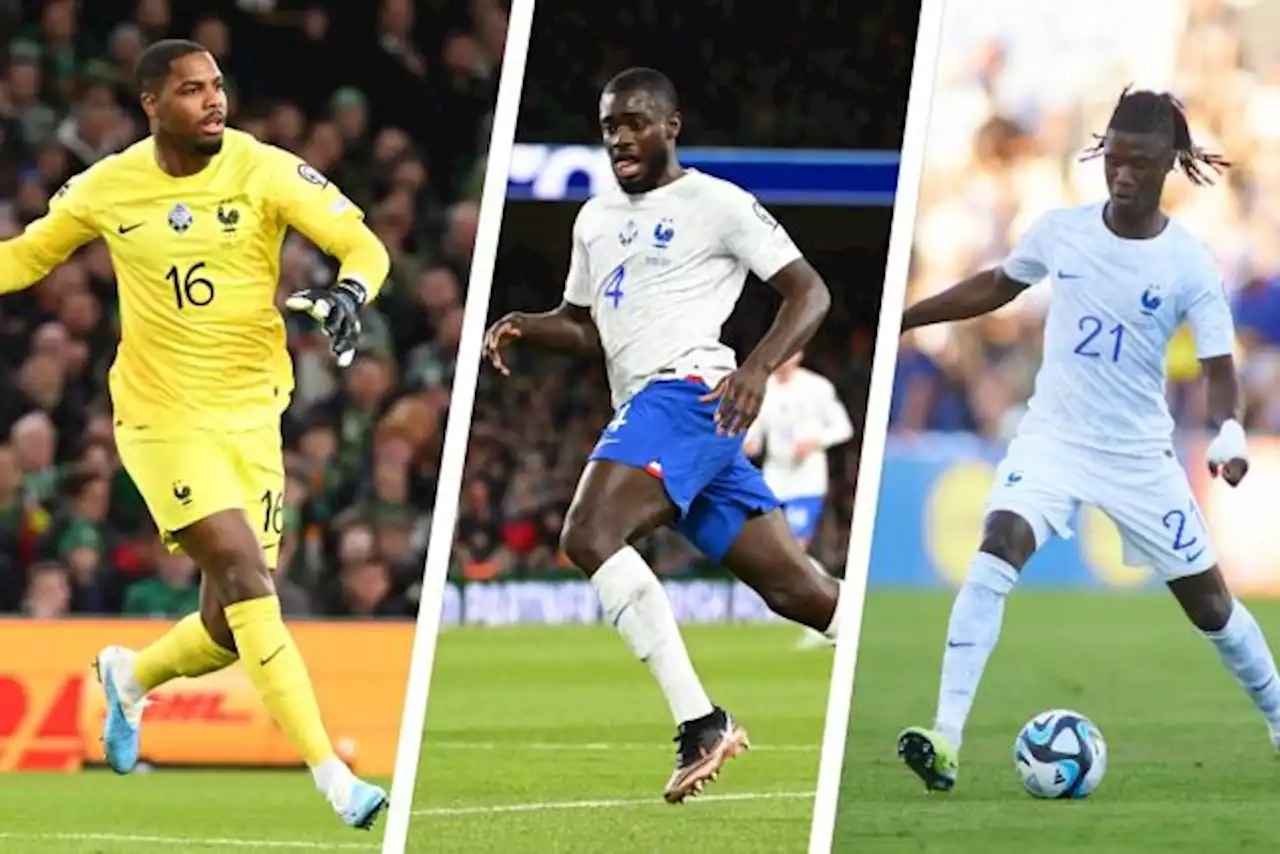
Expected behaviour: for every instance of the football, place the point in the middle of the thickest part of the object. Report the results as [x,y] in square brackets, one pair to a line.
[1060,754]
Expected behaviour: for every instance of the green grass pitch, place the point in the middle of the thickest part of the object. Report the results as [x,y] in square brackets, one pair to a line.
[98,812]
[557,741]
[1190,769]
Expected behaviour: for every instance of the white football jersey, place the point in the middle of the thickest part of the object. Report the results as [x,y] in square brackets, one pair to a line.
[1115,305]
[662,271]
[805,408]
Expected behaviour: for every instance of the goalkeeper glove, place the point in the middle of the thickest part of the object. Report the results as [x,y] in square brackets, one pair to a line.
[337,309]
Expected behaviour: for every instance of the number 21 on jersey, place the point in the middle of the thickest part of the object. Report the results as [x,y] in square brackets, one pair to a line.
[1110,345]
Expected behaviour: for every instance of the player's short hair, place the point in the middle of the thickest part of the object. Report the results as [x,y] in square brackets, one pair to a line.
[650,80]
[155,63]
[1143,111]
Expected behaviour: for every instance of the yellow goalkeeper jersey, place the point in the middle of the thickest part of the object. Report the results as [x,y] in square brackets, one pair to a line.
[197,260]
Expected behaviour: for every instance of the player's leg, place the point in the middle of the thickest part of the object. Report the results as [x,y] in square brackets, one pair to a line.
[613,506]
[1162,526]
[228,550]
[765,556]
[642,474]
[1231,628]
[190,648]
[973,629]
[768,558]
[804,515]
[1030,499]
[240,550]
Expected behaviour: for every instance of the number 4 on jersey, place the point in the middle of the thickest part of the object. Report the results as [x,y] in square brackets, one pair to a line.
[613,286]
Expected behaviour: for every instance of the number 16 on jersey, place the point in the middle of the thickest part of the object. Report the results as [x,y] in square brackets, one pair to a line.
[190,288]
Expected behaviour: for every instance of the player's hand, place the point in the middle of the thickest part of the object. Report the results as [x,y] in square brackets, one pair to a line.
[740,395]
[1228,453]
[502,333]
[337,309]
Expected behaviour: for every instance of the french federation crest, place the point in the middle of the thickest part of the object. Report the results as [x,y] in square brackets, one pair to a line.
[1151,300]
[229,217]
[663,233]
[180,218]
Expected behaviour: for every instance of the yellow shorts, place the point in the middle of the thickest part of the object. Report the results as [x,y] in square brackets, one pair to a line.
[190,475]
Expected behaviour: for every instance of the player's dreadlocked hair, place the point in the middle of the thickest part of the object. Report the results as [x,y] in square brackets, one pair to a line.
[1154,112]
[153,64]
[641,79]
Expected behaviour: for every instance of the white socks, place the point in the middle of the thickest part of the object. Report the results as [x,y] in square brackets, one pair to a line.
[972,633]
[974,628]
[1244,651]
[333,778]
[637,606]
[832,631]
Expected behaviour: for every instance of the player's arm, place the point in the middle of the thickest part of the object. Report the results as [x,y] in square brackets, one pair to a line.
[309,202]
[758,240]
[990,289]
[805,303]
[1214,331]
[1224,389]
[977,295]
[46,242]
[567,328]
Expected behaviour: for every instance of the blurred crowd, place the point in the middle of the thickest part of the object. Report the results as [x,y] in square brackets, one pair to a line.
[532,431]
[807,74]
[392,100]
[1005,137]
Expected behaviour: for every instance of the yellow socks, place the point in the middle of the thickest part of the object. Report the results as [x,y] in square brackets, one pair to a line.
[280,676]
[269,656]
[185,650]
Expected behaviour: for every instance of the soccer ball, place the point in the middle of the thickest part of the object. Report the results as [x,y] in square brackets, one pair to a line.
[1060,754]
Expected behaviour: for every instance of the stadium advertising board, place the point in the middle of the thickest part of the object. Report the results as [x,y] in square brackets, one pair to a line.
[776,176]
[929,520]
[51,707]
[571,601]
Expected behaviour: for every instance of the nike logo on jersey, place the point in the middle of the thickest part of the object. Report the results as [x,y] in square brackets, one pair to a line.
[1065,275]
[263,662]
[125,229]
[958,644]
[1014,477]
